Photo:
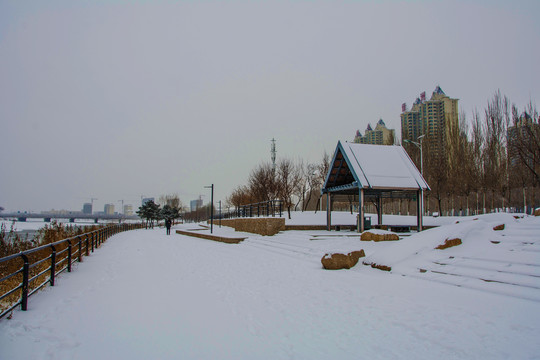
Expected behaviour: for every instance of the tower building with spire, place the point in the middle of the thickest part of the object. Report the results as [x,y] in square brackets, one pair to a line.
[435,118]
[381,135]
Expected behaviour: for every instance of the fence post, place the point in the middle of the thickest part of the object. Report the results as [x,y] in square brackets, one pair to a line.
[53,265]
[69,256]
[80,248]
[87,246]
[24,289]
[92,241]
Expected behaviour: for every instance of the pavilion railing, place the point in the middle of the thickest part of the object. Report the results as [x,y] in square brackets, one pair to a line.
[24,273]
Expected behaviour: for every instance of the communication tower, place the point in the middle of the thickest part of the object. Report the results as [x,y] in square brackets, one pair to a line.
[273,154]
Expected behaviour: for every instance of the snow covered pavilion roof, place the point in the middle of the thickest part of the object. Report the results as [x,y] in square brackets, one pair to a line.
[375,168]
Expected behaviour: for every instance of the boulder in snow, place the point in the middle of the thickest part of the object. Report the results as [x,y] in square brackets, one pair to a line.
[449,243]
[499,227]
[355,255]
[339,261]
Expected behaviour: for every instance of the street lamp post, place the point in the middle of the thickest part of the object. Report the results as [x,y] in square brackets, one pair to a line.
[419,145]
[211,207]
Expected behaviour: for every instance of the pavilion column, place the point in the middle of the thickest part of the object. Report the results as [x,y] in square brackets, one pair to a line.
[420,209]
[361,210]
[328,211]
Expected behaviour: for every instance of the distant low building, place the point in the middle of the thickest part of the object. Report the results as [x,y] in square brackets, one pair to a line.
[60,212]
[380,136]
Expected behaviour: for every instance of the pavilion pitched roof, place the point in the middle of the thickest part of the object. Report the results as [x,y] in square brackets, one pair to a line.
[376,167]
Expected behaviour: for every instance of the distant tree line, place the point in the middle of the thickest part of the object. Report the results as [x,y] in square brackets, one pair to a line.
[489,163]
[295,183]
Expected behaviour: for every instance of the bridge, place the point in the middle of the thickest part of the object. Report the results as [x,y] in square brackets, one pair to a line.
[47,217]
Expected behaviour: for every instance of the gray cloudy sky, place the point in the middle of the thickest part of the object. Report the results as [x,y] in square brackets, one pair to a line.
[118,99]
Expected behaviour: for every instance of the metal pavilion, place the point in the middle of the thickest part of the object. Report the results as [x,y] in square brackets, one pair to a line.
[373,172]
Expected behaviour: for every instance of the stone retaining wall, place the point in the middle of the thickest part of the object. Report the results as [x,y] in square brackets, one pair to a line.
[261,226]
[211,237]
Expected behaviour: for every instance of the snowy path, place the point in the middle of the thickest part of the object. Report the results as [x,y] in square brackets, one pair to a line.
[145,295]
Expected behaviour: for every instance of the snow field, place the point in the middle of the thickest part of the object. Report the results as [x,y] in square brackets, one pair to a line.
[147,295]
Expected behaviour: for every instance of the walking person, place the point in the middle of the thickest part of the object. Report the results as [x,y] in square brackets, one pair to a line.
[168,224]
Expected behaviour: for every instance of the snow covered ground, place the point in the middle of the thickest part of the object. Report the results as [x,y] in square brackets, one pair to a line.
[145,295]
[346,218]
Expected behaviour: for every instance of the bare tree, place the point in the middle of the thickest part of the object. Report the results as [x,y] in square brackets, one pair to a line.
[322,171]
[262,183]
[313,184]
[240,196]
[495,161]
[526,140]
[289,179]
[436,173]
[173,200]
[477,140]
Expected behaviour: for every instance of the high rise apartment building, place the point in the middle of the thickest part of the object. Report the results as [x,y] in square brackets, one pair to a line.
[128,209]
[87,208]
[194,205]
[109,209]
[380,136]
[434,118]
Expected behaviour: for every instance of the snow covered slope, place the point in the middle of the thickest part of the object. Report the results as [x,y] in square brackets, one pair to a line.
[145,295]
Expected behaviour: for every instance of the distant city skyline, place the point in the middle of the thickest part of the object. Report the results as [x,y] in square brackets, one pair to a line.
[118,100]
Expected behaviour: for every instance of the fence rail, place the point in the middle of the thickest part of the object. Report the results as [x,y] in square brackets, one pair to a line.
[41,265]
[266,208]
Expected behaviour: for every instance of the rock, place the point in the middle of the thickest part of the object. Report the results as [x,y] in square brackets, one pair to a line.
[339,261]
[499,227]
[537,212]
[336,261]
[449,243]
[355,255]
[369,236]
[378,266]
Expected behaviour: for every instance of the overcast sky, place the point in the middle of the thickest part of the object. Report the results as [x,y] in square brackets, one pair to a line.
[118,99]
